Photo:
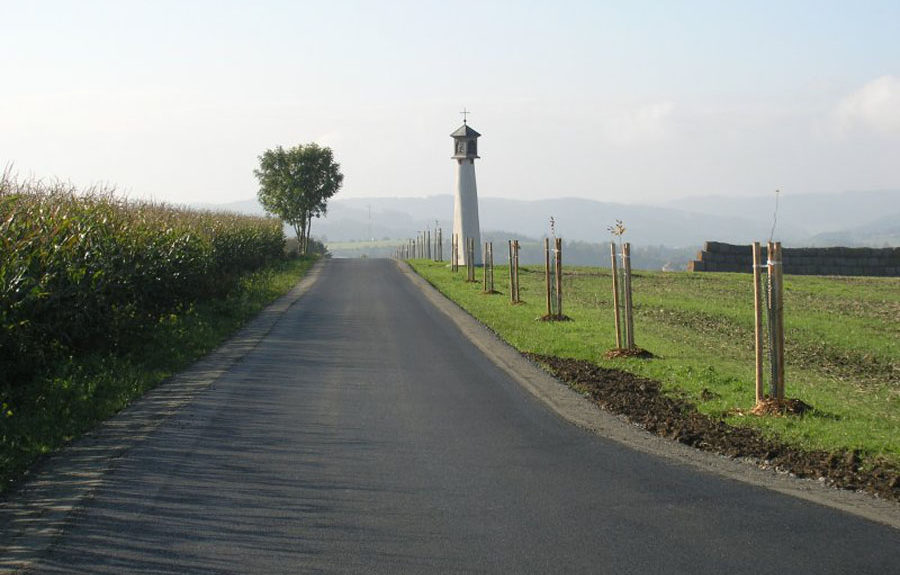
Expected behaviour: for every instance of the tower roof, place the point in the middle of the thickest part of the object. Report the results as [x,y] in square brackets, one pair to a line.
[465,131]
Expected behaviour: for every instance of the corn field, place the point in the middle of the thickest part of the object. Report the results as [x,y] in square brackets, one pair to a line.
[81,271]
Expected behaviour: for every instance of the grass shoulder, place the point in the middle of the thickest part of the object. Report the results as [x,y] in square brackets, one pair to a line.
[843,355]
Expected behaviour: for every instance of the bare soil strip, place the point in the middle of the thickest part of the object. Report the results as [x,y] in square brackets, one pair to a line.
[641,401]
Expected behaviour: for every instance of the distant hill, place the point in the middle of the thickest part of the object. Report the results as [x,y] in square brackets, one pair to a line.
[852,218]
[880,232]
[807,214]
[576,219]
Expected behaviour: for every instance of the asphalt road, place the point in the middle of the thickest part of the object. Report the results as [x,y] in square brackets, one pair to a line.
[366,434]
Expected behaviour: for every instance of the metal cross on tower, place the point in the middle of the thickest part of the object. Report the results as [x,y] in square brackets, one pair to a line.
[464,114]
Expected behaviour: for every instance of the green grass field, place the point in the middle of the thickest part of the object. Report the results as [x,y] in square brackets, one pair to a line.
[842,340]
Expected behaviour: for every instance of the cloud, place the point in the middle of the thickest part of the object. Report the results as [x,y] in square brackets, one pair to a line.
[639,125]
[874,107]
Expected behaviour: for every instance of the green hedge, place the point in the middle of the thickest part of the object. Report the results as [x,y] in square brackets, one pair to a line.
[83,271]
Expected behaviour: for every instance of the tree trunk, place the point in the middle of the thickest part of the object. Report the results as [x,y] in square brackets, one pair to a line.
[298,233]
[308,229]
[301,236]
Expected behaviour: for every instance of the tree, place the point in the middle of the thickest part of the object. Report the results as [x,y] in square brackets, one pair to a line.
[296,184]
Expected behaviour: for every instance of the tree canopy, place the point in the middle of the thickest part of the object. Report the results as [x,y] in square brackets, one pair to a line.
[296,184]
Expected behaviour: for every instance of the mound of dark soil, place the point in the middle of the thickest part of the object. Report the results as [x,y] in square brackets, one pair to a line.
[781,407]
[641,401]
[623,352]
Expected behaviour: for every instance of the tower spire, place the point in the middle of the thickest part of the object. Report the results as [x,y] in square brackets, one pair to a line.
[465,204]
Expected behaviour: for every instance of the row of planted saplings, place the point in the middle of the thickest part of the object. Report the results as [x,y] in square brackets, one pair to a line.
[768,295]
[553,284]
[425,246]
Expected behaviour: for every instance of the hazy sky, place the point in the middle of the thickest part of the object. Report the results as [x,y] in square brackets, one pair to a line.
[615,101]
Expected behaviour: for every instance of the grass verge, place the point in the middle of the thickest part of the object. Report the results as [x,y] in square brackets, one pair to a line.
[71,396]
[842,337]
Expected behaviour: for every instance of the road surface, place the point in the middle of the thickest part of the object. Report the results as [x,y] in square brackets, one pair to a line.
[366,434]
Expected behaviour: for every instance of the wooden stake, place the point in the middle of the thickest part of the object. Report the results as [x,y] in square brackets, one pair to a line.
[472,257]
[491,251]
[559,291]
[484,268]
[615,275]
[512,281]
[758,326]
[516,267]
[466,259]
[771,319]
[779,321]
[629,319]
[547,274]
[474,247]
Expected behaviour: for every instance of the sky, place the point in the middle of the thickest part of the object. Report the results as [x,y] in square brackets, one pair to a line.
[634,101]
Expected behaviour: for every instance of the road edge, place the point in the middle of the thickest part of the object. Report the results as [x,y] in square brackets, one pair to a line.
[36,512]
[581,412]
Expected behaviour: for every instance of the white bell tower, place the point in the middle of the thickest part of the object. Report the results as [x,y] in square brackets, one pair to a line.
[465,205]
